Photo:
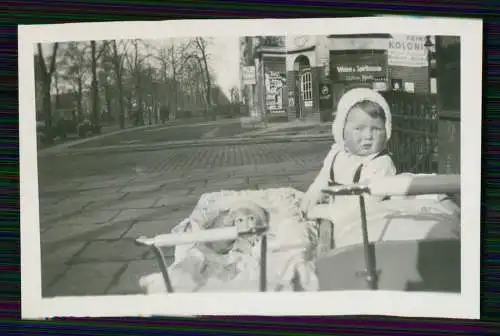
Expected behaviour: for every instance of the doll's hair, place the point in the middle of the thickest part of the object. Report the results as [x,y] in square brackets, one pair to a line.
[371,108]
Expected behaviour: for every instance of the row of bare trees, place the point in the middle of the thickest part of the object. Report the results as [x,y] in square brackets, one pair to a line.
[130,80]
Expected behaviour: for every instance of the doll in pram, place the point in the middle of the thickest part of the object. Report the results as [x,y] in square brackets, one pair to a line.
[407,244]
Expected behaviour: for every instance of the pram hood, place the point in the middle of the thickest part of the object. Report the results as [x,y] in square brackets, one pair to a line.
[347,101]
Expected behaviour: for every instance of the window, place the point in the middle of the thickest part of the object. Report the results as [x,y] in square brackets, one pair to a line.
[306,86]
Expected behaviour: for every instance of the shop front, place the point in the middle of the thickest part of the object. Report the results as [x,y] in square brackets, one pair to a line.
[304,73]
[357,68]
[338,63]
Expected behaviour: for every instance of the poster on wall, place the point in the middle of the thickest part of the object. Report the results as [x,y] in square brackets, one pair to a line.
[408,50]
[291,98]
[275,84]
[325,96]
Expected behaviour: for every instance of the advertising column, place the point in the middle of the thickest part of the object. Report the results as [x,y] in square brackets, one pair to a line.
[275,89]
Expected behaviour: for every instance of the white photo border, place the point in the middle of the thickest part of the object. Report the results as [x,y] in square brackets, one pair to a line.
[465,305]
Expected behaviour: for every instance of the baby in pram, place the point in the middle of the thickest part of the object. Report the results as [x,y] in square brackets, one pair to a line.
[235,265]
[213,259]
[361,130]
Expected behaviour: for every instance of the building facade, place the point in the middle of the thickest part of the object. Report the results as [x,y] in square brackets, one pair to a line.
[320,69]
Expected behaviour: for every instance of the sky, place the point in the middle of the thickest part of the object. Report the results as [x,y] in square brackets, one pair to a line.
[226,62]
[224,59]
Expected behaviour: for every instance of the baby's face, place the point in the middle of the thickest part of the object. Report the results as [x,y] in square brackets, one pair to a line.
[363,134]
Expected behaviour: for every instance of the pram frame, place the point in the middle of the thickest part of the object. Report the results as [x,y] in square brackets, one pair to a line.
[211,235]
[419,185]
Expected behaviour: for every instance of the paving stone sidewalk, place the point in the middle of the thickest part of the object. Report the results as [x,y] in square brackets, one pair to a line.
[88,225]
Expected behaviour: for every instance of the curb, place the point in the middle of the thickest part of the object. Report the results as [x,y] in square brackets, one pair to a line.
[57,149]
[190,144]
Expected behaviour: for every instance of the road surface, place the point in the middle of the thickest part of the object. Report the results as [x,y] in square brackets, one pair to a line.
[93,206]
[164,133]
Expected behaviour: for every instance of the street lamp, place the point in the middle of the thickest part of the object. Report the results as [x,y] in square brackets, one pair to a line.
[432,107]
[428,45]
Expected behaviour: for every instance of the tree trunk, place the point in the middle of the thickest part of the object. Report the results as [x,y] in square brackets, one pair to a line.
[117,61]
[150,96]
[120,102]
[173,113]
[109,107]
[46,75]
[47,108]
[95,96]
[56,84]
[79,98]
[209,85]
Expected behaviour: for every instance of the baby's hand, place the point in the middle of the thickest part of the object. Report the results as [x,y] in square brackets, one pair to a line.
[308,201]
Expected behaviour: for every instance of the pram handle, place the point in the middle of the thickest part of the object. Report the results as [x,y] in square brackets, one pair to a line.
[401,185]
[202,236]
[173,239]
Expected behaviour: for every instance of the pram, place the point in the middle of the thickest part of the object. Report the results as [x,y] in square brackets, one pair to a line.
[423,262]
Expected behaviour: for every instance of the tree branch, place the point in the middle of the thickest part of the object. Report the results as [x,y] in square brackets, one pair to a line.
[41,59]
[53,60]
[101,51]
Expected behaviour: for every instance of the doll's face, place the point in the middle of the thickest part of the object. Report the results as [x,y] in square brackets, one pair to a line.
[364,134]
[245,220]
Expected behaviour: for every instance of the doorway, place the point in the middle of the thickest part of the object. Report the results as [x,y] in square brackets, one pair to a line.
[303,86]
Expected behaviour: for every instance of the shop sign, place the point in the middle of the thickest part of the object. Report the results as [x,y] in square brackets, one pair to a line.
[360,72]
[249,75]
[407,50]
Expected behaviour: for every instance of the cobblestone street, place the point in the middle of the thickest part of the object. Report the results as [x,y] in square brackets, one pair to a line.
[93,206]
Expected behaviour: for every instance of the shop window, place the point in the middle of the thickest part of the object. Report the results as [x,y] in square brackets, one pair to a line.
[306,86]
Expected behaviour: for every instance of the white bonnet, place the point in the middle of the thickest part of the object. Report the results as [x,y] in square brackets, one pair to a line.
[348,100]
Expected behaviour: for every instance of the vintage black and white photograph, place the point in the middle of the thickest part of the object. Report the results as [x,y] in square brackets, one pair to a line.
[329,162]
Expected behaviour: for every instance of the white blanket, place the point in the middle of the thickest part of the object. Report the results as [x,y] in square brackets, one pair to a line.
[291,249]
[402,218]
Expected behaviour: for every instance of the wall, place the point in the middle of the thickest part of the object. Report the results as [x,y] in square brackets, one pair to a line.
[292,56]
[357,43]
[419,76]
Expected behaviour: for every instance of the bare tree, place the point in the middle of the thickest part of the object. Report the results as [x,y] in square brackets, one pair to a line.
[201,45]
[95,56]
[75,65]
[135,63]
[235,94]
[174,59]
[46,76]
[117,59]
